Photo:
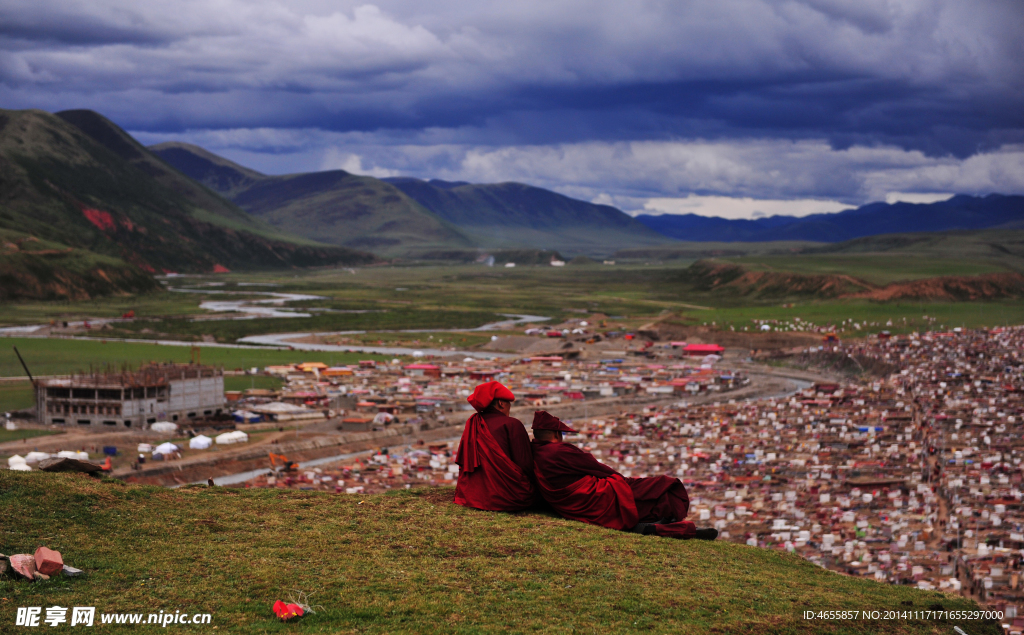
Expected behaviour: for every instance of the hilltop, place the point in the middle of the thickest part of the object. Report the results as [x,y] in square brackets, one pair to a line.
[411,561]
[502,214]
[333,206]
[958,213]
[411,217]
[78,181]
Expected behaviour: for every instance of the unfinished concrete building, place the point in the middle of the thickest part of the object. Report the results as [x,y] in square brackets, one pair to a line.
[159,392]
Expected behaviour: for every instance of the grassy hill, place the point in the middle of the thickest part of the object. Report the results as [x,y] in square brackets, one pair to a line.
[78,180]
[412,562]
[215,172]
[344,209]
[34,269]
[405,216]
[504,214]
[332,206]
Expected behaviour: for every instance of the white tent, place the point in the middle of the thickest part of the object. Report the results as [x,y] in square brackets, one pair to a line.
[35,457]
[164,427]
[232,437]
[15,460]
[71,454]
[20,467]
[145,447]
[165,449]
[200,442]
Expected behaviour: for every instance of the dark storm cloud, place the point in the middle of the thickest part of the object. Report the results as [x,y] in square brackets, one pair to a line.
[937,76]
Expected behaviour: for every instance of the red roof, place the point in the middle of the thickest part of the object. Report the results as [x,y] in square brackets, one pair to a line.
[703,348]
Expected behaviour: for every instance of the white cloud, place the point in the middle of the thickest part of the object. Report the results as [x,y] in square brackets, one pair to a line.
[335,159]
[916,197]
[733,208]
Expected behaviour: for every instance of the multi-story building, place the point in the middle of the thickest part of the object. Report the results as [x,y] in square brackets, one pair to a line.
[158,392]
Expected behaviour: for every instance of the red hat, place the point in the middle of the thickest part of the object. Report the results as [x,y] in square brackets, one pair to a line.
[484,394]
[542,420]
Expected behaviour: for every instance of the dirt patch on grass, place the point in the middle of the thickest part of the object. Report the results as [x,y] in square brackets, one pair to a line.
[989,286]
[715,276]
[731,278]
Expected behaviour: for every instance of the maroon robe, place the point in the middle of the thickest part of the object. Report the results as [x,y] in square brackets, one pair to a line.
[580,487]
[488,478]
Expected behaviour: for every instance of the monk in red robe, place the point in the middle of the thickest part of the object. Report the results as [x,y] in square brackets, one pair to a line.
[580,487]
[495,459]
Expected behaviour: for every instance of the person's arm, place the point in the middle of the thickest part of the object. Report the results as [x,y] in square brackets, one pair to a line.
[585,463]
[519,446]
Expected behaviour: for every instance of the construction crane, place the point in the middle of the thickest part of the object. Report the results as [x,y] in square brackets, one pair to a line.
[285,464]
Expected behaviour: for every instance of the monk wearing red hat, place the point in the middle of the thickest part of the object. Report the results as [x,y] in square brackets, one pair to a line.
[580,487]
[495,460]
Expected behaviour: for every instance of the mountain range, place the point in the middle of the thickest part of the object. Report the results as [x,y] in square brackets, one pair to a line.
[108,212]
[960,212]
[87,210]
[412,217]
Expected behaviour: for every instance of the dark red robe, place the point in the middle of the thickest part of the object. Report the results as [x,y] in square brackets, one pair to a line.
[580,487]
[488,478]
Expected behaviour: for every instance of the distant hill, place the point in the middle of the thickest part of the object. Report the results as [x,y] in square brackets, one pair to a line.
[406,216]
[217,173]
[505,214]
[333,206]
[960,212]
[345,209]
[77,180]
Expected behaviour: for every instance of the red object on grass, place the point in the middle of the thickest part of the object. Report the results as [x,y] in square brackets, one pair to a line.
[102,220]
[287,611]
[48,561]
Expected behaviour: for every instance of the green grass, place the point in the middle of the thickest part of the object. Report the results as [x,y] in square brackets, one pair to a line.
[411,562]
[465,296]
[262,382]
[399,317]
[17,435]
[58,357]
[879,269]
[156,304]
[16,396]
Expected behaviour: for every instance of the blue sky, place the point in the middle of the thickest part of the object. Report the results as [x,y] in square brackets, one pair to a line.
[737,108]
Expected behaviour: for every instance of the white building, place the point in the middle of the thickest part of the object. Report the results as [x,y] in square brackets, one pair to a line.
[159,392]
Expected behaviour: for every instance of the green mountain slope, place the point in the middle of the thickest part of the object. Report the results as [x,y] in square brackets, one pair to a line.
[334,206]
[413,562]
[34,269]
[94,188]
[215,172]
[514,214]
[345,209]
[413,217]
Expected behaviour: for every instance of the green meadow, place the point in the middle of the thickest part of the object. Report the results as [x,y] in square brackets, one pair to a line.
[411,561]
[61,356]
